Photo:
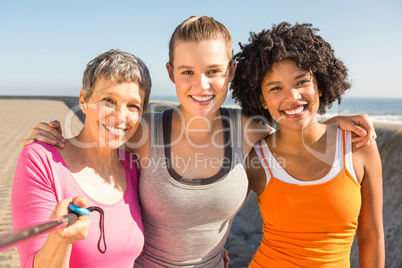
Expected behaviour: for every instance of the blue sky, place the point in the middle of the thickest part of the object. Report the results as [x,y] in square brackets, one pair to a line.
[45,45]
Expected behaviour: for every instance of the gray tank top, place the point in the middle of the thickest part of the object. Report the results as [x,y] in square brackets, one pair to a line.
[186,221]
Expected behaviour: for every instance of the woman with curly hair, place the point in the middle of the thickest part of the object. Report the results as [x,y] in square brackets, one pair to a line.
[315,188]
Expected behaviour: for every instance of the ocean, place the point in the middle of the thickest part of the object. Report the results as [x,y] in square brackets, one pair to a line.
[384,110]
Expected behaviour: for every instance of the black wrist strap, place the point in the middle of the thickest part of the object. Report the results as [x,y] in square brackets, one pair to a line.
[101,228]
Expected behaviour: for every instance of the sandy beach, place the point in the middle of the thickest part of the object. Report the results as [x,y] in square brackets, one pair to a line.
[20,116]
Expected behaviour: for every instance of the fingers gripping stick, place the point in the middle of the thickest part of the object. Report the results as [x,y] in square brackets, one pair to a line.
[9,239]
[77,211]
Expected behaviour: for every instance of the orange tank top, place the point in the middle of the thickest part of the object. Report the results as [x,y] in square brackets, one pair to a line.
[308,224]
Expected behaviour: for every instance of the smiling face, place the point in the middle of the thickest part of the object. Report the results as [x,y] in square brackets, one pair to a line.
[290,94]
[112,112]
[201,72]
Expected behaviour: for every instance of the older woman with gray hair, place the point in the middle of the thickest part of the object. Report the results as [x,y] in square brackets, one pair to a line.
[89,172]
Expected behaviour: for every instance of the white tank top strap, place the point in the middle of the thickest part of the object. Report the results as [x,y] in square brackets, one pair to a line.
[264,154]
[348,153]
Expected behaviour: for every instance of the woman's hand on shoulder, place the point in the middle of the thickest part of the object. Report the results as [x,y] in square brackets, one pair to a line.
[360,124]
[49,133]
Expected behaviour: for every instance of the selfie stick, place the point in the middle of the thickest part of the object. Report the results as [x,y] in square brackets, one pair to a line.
[9,239]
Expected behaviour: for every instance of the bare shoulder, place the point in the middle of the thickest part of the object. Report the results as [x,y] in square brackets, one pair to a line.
[366,160]
[365,152]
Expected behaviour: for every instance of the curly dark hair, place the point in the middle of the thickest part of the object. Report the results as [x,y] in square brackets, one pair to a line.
[299,43]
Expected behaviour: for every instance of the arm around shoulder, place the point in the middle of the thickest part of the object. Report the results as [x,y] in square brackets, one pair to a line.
[49,133]
[361,125]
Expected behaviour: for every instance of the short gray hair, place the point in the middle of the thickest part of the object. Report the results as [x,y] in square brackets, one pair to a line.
[117,66]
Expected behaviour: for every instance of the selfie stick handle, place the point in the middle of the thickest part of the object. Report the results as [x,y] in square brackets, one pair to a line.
[7,240]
